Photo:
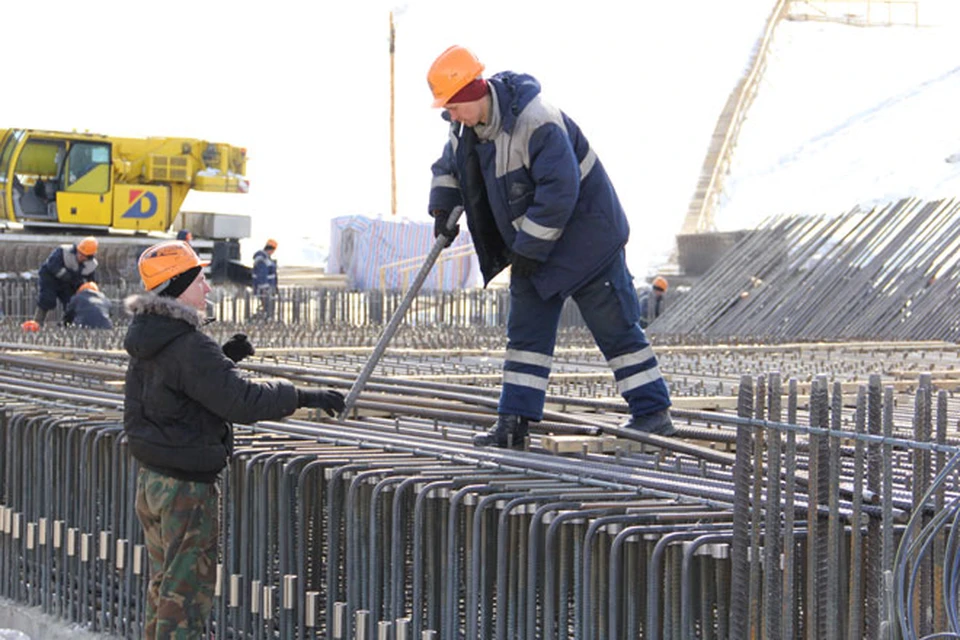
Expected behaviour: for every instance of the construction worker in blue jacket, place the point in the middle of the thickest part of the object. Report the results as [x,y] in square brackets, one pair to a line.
[61,274]
[88,308]
[538,198]
[651,301]
[265,277]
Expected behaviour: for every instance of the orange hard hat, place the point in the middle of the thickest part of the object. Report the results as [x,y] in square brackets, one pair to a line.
[454,69]
[88,286]
[166,260]
[660,283]
[88,246]
[271,243]
[30,326]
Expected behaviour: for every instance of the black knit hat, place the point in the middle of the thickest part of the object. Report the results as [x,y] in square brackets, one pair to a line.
[179,283]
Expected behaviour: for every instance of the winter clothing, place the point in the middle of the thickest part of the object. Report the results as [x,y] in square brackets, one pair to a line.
[648,312]
[475,90]
[330,401]
[441,222]
[264,271]
[181,587]
[658,423]
[508,432]
[550,197]
[536,195]
[89,309]
[182,392]
[265,281]
[238,347]
[61,274]
[608,304]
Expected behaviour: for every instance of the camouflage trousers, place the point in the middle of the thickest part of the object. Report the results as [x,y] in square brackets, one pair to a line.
[181,525]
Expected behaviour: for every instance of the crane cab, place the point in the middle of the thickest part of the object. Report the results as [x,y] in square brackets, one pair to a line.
[56,179]
[79,179]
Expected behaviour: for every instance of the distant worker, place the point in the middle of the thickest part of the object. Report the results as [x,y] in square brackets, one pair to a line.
[538,198]
[89,308]
[648,312]
[185,236]
[61,274]
[265,278]
[182,393]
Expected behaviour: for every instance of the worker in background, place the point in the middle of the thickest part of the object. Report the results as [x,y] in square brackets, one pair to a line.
[61,274]
[182,393]
[538,198]
[650,312]
[185,236]
[265,278]
[89,308]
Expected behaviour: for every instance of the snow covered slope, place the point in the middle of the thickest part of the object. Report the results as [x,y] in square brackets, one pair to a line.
[847,115]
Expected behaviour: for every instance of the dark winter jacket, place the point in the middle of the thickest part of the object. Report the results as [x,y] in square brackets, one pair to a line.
[182,392]
[89,309]
[62,269]
[550,197]
[648,312]
[264,271]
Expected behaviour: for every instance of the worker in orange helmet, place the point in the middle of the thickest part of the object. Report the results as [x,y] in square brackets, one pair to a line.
[265,284]
[61,274]
[650,312]
[538,198]
[89,307]
[182,392]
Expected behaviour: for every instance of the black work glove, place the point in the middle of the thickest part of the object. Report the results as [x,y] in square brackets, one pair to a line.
[524,266]
[440,219]
[327,399]
[238,347]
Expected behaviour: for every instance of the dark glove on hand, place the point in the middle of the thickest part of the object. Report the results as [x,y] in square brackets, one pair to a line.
[440,219]
[238,347]
[327,399]
[524,266]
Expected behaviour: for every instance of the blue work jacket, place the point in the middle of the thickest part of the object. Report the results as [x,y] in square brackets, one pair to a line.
[549,195]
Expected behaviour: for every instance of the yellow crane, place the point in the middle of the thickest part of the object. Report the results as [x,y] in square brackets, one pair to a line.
[118,188]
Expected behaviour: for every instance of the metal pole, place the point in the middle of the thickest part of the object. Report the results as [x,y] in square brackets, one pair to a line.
[441,243]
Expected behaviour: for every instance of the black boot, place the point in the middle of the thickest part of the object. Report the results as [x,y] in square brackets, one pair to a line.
[509,432]
[657,423]
[40,315]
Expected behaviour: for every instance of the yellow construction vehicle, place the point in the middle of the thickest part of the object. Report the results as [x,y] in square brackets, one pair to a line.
[69,183]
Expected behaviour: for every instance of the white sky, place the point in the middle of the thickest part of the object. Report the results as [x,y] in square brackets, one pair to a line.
[304,86]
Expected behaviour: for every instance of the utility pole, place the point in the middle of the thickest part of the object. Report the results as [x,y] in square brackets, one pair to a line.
[393,152]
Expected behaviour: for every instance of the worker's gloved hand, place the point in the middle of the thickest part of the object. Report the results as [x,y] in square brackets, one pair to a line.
[524,266]
[327,399]
[440,220]
[238,347]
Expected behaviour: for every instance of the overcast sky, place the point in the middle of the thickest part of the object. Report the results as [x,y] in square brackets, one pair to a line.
[304,86]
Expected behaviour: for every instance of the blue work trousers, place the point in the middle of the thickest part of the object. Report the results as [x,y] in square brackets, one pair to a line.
[611,310]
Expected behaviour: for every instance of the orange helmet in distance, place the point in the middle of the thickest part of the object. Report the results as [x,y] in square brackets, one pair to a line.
[660,283]
[88,246]
[163,261]
[453,69]
[30,326]
[88,286]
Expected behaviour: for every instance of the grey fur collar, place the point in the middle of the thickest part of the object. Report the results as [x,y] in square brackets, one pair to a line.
[162,306]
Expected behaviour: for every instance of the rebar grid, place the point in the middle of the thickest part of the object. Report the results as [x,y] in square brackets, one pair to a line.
[391,524]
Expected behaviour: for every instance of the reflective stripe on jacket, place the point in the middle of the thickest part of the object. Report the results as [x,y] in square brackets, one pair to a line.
[550,196]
